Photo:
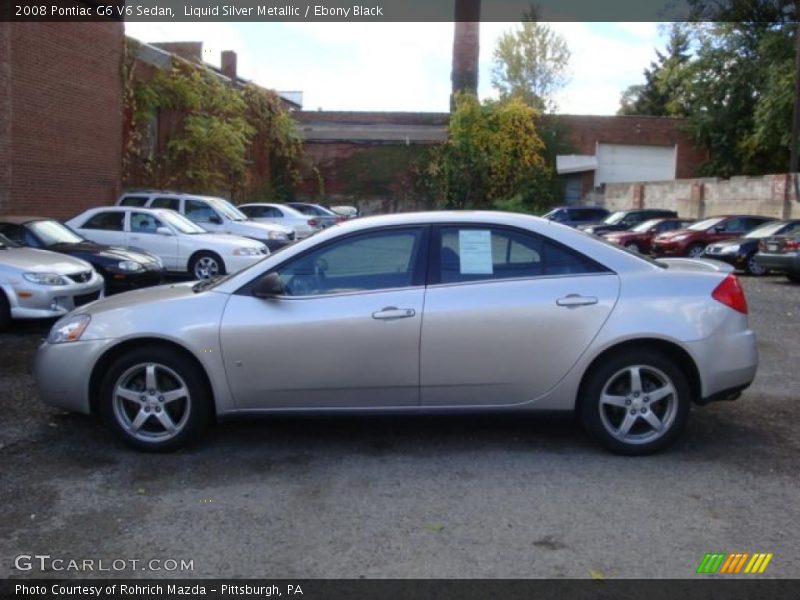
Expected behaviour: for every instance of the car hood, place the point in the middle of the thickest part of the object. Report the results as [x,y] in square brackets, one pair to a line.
[673,234]
[41,261]
[149,296]
[111,253]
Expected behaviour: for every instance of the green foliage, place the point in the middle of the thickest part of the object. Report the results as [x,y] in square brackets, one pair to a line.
[530,63]
[191,130]
[493,153]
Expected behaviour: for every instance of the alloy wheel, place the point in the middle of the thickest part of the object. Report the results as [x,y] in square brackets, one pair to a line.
[206,267]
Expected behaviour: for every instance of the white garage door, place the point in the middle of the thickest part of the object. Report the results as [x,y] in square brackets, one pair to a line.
[621,163]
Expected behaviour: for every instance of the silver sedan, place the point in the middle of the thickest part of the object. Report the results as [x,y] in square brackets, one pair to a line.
[415,313]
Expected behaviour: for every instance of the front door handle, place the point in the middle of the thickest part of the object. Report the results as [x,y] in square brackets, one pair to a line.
[392,312]
[572,300]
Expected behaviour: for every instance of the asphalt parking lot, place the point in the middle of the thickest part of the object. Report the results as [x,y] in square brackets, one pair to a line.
[411,497]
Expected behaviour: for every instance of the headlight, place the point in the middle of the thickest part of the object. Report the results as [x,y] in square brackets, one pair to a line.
[46,278]
[277,235]
[680,238]
[729,249]
[129,265]
[246,252]
[68,329]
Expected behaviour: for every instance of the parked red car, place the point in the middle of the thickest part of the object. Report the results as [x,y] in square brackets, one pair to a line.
[639,238]
[692,240]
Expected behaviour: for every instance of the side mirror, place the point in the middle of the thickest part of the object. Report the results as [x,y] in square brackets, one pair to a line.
[215,219]
[163,231]
[719,228]
[268,286]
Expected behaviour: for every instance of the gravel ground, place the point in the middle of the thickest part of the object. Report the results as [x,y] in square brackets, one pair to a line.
[412,497]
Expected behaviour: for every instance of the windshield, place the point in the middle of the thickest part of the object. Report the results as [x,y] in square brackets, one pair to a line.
[180,223]
[766,229]
[614,218]
[642,227]
[227,209]
[705,224]
[53,232]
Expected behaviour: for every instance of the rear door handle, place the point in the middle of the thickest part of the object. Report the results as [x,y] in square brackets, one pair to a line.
[572,300]
[392,312]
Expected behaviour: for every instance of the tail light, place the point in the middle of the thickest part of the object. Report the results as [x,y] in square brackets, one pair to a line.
[313,222]
[790,245]
[731,294]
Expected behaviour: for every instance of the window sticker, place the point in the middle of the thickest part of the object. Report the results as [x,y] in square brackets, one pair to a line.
[475,251]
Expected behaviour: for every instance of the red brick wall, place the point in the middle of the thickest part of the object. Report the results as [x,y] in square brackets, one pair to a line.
[61,84]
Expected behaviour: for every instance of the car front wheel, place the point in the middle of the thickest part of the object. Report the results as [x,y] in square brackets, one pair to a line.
[635,403]
[753,267]
[206,265]
[155,399]
[695,250]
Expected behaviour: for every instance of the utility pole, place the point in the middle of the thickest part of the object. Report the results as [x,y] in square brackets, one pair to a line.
[793,183]
[466,48]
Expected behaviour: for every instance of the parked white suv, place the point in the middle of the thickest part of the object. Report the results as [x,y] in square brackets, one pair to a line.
[180,244]
[215,215]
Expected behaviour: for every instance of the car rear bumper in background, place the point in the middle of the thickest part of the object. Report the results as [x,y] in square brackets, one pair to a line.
[783,263]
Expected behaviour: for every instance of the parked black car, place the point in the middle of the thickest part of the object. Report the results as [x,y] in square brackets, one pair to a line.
[781,253]
[741,252]
[622,220]
[576,215]
[122,268]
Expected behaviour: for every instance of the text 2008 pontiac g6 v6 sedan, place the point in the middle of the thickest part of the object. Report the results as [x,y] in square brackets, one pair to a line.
[428,312]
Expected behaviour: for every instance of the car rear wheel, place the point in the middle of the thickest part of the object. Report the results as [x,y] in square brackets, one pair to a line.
[635,403]
[753,267]
[155,399]
[206,265]
[695,250]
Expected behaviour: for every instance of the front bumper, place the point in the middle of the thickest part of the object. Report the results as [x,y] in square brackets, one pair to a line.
[668,248]
[62,373]
[782,263]
[235,263]
[120,281]
[738,261]
[33,301]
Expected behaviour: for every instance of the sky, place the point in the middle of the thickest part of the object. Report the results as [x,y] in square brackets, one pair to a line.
[406,66]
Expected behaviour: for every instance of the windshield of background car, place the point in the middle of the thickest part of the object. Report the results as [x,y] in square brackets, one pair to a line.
[646,226]
[227,209]
[180,223]
[614,218]
[705,224]
[768,229]
[53,232]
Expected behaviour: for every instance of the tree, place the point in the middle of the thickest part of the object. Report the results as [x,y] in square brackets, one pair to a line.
[493,154]
[531,63]
[664,90]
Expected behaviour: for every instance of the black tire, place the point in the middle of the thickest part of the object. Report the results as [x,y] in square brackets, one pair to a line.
[751,267]
[5,311]
[598,418]
[190,412]
[695,250]
[793,277]
[202,261]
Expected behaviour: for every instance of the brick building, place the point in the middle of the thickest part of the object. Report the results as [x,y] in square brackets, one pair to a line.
[60,116]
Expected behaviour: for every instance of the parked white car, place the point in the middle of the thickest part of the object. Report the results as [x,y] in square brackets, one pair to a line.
[215,215]
[39,284]
[280,214]
[180,244]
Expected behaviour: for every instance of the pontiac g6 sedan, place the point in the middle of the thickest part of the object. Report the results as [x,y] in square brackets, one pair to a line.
[415,313]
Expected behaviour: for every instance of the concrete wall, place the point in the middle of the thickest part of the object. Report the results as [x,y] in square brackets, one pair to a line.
[768,195]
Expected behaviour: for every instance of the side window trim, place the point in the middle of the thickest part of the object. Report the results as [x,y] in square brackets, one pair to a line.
[419,273]
[434,255]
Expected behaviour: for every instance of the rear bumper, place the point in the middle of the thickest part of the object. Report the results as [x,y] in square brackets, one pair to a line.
[727,363]
[783,263]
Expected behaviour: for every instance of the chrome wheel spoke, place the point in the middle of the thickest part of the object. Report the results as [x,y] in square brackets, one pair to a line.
[653,420]
[150,377]
[626,424]
[612,400]
[173,395]
[129,395]
[660,393]
[636,380]
[141,417]
[166,421]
